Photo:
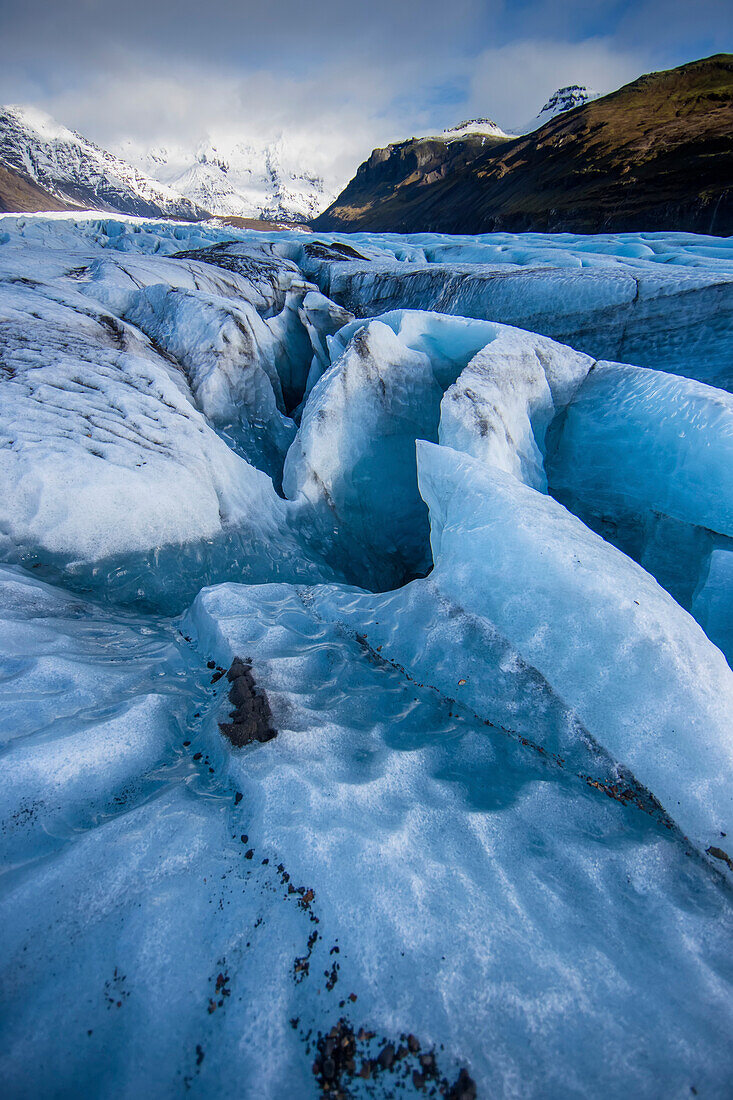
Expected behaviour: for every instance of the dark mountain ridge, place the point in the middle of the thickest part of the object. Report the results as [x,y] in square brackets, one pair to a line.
[656,154]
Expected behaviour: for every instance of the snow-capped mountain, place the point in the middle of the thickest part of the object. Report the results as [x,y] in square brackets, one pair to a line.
[471,126]
[244,179]
[574,95]
[564,99]
[78,172]
[628,155]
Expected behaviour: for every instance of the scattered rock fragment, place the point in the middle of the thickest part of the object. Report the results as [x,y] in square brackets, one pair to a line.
[251,718]
[344,1056]
[333,250]
[718,853]
[464,1088]
[386,1057]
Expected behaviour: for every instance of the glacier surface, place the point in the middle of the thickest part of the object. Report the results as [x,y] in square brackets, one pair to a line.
[365,642]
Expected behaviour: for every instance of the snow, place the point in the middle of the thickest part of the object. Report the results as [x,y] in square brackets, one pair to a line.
[564,99]
[78,171]
[472,126]
[480,567]
[246,179]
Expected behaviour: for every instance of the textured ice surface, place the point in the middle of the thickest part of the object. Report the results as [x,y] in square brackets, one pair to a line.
[109,449]
[636,669]
[662,300]
[658,300]
[646,459]
[502,404]
[230,357]
[403,809]
[496,813]
[97,426]
[353,459]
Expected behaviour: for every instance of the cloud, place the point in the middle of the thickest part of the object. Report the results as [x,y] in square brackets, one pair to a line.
[328,120]
[290,35]
[511,83]
[332,79]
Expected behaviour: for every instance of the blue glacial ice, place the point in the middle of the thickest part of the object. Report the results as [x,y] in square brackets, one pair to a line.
[712,603]
[645,459]
[455,516]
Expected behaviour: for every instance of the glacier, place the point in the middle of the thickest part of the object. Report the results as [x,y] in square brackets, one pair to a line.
[365,662]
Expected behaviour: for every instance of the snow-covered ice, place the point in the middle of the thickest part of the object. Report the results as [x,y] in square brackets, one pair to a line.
[270,179]
[653,299]
[455,515]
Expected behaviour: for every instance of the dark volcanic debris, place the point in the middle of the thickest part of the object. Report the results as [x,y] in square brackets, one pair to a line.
[343,1056]
[719,853]
[114,990]
[251,719]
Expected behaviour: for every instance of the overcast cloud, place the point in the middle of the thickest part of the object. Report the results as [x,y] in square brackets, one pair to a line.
[334,78]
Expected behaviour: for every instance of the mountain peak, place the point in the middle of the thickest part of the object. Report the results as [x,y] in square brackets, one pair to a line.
[39,121]
[656,154]
[470,127]
[238,178]
[564,99]
[79,173]
[474,126]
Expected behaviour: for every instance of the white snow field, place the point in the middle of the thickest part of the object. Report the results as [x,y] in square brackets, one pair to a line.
[365,624]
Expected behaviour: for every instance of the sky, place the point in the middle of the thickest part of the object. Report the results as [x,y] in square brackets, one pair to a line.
[331,78]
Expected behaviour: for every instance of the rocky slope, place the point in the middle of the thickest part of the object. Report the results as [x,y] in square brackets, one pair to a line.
[657,154]
[38,153]
[20,194]
[391,178]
